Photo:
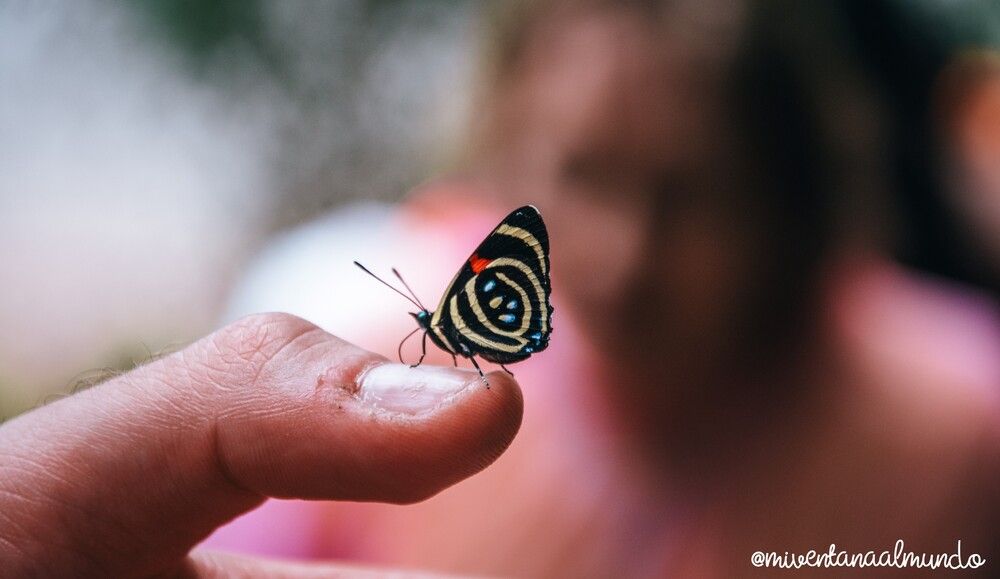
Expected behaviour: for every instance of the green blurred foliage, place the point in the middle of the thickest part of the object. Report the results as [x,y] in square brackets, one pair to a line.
[199,28]
[973,23]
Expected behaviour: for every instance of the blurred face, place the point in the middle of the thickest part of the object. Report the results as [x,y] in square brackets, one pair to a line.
[615,141]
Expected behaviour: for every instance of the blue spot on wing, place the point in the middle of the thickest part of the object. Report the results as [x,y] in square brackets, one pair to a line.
[488,286]
[508,318]
[512,305]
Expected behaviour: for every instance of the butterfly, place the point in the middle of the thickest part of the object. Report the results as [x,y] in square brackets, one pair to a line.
[497,306]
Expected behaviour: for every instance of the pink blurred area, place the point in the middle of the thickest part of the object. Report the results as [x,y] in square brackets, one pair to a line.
[929,329]
[505,519]
[570,497]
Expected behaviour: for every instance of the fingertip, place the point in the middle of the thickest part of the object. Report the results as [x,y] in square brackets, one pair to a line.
[453,434]
[370,430]
[467,434]
[501,408]
[496,400]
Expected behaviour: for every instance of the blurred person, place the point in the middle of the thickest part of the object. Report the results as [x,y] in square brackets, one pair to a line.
[736,363]
[736,366]
[719,179]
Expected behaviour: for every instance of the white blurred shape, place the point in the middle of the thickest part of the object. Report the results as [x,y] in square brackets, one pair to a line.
[310,272]
[126,193]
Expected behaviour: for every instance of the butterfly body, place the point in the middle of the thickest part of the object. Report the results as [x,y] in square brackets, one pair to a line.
[497,306]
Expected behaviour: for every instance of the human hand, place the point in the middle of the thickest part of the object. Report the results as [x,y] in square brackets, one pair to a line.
[125,478]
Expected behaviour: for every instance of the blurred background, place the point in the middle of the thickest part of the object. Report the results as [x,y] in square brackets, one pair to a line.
[148,150]
[167,166]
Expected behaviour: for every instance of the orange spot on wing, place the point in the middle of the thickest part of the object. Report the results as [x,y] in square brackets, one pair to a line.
[478,263]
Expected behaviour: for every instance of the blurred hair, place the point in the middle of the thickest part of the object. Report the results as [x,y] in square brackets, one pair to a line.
[810,126]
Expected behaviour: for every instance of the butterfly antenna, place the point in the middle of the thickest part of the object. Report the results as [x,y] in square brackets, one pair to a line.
[386,284]
[407,286]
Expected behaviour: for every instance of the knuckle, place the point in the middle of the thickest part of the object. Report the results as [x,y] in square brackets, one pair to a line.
[260,334]
[239,352]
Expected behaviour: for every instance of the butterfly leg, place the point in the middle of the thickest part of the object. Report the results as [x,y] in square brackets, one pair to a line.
[454,360]
[506,370]
[399,350]
[476,364]
[423,351]
[481,375]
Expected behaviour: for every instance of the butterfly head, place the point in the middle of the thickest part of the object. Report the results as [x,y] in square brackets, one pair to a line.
[423,318]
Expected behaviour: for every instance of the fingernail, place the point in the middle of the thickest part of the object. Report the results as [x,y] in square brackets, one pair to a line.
[399,388]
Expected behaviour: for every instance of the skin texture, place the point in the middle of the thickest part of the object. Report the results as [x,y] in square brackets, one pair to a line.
[126,478]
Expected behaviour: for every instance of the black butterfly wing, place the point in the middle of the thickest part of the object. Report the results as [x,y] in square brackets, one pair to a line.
[498,306]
